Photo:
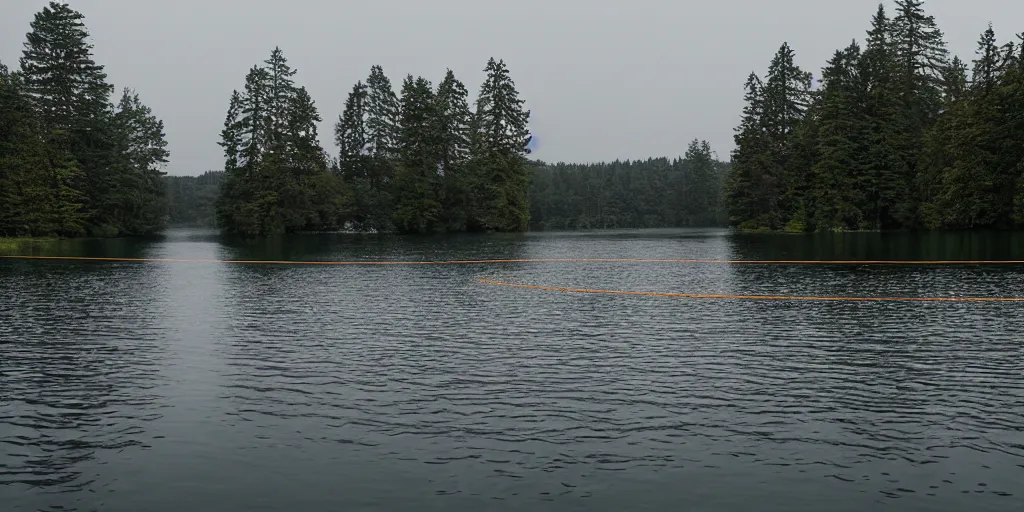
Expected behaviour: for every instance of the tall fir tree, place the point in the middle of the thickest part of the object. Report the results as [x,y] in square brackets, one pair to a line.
[452,118]
[355,159]
[382,115]
[751,191]
[837,178]
[787,97]
[310,195]
[136,202]
[350,134]
[70,88]
[417,182]
[276,173]
[921,58]
[381,125]
[103,158]
[987,64]
[29,183]
[888,183]
[499,140]
[766,182]
[701,185]
[72,95]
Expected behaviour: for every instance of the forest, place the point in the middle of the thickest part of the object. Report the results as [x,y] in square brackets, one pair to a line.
[72,161]
[651,193]
[422,161]
[897,136]
[419,159]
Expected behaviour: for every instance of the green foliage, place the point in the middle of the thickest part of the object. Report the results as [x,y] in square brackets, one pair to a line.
[193,199]
[498,164]
[276,173]
[452,123]
[72,163]
[896,138]
[418,181]
[630,194]
[767,175]
[426,162]
[835,196]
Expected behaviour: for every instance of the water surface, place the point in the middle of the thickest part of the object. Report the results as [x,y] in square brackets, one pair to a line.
[175,386]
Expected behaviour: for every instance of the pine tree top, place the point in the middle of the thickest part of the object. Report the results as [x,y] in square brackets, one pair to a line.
[59,69]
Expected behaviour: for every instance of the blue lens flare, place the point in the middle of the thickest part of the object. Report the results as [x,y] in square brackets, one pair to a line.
[532,145]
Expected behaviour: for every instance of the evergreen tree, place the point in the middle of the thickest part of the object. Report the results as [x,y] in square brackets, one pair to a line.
[452,118]
[838,175]
[350,134]
[786,99]
[280,98]
[921,58]
[29,183]
[383,114]
[72,95]
[310,195]
[417,183]
[987,64]
[248,202]
[70,89]
[354,158]
[888,182]
[771,149]
[499,135]
[276,176]
[136,203]
[751,191]
[701,185]
[381,125]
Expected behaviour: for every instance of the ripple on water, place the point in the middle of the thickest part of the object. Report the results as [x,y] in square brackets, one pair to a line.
[461,391]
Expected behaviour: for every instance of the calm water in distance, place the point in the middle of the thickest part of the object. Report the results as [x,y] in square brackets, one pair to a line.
[206,386]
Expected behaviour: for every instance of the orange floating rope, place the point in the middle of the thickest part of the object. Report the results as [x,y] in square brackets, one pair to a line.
[609,260]
[750,297]
[528,260]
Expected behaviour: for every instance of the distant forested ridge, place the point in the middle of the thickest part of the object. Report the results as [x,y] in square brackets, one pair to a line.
[651,193]
[71,161]
[192,200]
[897,136]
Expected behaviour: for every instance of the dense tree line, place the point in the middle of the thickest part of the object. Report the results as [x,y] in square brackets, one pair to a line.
[415,162]
[657,192]
[72,162]
[898,135]
[192,200]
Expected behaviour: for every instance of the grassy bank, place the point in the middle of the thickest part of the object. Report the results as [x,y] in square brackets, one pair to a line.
[20,245]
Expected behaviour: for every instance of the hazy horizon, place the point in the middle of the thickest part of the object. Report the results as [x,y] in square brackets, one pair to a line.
[604,80]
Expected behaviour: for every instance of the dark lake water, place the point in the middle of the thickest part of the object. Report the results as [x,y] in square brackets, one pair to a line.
[172,386]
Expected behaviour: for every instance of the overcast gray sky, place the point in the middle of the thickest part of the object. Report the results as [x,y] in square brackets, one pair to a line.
[604,79]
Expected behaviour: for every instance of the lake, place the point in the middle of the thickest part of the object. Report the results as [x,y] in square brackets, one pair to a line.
[170,385]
